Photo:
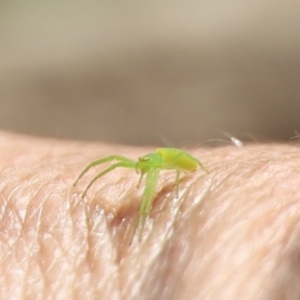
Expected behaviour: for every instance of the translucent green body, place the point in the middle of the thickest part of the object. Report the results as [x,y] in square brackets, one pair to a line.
[150,164]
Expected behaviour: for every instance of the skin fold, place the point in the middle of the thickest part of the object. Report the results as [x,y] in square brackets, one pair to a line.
[231,234]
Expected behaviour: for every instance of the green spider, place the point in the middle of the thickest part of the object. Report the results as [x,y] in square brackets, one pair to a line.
[150,164]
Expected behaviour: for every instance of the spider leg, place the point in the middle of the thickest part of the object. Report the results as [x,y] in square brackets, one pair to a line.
[128,164]
[140,180]
[202,167]
[166,167]
[147,200]
[101,161]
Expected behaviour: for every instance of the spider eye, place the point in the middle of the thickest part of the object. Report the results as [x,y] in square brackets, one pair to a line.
[143,158]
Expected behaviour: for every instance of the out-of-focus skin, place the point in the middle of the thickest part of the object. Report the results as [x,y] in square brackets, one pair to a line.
[231,234]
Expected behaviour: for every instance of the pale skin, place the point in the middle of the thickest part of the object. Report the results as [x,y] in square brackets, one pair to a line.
[232,232]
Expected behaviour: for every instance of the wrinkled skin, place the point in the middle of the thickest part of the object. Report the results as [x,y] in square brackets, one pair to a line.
[231,234]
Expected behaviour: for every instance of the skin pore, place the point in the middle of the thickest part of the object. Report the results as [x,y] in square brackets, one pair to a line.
[232,232]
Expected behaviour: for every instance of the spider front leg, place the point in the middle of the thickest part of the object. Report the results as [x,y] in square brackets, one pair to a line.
[102,161]
[112,167]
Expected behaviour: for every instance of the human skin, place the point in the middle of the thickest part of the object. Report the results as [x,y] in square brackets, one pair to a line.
[231,234]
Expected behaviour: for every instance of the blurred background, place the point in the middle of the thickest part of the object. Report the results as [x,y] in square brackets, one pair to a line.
[150,72]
